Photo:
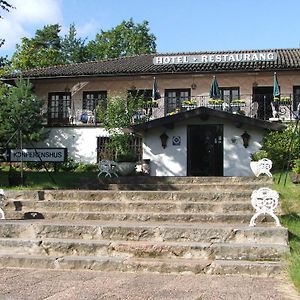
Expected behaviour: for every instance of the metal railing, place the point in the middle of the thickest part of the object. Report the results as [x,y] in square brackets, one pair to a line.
[260,106]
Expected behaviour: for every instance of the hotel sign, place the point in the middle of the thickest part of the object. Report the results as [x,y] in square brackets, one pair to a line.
[215,58]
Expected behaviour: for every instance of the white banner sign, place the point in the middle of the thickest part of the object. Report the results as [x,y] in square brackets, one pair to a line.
[215,58]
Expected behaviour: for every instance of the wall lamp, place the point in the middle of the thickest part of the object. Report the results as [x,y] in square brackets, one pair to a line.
[246,138]
[164,139]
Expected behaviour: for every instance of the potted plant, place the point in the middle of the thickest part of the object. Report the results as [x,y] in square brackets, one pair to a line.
[126,163]
[282,100]
[215,101]
[295,174]
[255,157]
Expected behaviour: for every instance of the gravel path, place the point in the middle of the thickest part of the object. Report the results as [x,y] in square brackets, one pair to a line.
[32,284]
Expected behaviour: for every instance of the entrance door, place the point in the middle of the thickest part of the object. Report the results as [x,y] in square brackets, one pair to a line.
[263,95]
[205,150]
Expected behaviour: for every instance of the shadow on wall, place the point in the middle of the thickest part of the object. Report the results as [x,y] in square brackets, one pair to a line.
[237,158]
[64,138]
[173,168]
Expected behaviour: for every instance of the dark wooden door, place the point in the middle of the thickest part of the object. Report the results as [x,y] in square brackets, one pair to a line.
[263,95]
[205,150]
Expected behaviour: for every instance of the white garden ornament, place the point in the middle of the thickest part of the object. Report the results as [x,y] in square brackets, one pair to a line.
[263,166]
[264,201]
[2,196]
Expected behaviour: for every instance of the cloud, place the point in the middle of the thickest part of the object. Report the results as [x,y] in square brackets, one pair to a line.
[28,16]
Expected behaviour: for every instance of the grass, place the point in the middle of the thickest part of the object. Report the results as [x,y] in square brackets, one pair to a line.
[290,204]
[53,180]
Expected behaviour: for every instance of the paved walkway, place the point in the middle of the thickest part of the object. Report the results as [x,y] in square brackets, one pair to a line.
[32,284]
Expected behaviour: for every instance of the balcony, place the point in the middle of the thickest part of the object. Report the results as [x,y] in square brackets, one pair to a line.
[259,106]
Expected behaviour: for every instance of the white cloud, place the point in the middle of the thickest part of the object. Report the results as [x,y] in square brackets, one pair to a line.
[28,16]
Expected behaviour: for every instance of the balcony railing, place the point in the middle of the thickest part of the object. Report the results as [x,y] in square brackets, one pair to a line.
[258,106]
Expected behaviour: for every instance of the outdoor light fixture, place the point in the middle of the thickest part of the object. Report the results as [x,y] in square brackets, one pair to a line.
[164,139]
[246,137]
[194,86]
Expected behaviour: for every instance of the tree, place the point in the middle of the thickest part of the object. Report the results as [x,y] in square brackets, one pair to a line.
[125,39]
[20,110]
[73,48]
[41,51]
[117,116]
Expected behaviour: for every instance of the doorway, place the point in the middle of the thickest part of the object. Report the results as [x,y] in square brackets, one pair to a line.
[205,150]
[263,95]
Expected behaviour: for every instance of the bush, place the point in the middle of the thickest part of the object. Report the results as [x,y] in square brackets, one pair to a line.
[276,144]
[86,167]
[259,155]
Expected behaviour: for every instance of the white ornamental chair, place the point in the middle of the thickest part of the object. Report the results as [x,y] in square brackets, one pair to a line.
[2,197]
[264,166]
[264,201]
[108,167]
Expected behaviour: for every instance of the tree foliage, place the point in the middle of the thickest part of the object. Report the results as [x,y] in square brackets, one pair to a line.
[43,50]
[20,110]
[118,116]
[48,48]
[73,48]
[125,39]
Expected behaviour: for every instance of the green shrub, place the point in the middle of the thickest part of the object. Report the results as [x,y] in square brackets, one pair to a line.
[86,167]
[296,166]
[277,144]
[259,155]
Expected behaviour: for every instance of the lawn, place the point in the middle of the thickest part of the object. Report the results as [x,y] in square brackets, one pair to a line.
[290,203]
[53,180]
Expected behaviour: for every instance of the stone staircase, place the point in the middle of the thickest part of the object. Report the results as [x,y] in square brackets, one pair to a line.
[160,224]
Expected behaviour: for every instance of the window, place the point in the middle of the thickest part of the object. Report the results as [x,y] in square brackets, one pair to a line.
[174,98]
[59,105]
[229,94]
[136,145]
[296,97]
[92,99]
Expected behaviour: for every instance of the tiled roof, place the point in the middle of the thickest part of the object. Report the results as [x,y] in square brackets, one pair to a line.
[287,59]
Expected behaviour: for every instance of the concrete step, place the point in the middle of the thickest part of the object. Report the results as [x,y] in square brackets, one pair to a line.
[224,251]
[253,268]
[219,187]
[100,195]
[163,265]
[128,206]
[211,217]
[185,180]
[130,231]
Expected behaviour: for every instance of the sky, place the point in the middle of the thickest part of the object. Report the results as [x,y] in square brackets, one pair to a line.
[179,25]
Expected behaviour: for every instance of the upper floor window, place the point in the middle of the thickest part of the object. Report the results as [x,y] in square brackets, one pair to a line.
[230,93]
[59,107]
[92,99]
[174,98]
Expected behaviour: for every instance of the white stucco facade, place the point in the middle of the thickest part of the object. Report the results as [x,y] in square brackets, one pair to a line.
[81,142]
[172,161]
